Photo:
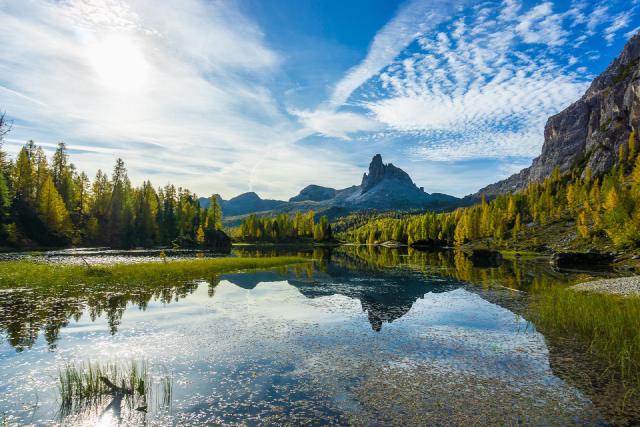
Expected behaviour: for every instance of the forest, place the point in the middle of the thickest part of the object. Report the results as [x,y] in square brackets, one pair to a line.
[284,228]
[605,210]
[50,203]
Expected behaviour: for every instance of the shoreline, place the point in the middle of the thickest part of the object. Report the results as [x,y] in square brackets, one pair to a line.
[622,286]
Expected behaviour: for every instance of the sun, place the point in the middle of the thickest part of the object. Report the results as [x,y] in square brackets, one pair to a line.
[119,63]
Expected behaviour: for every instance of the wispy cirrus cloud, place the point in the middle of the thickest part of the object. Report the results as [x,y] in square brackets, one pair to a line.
[413,19]
[483,86]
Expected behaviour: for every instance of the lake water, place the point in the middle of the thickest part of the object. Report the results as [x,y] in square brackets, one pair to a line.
[360,336]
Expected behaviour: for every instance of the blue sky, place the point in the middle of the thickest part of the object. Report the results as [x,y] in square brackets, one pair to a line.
[270,96]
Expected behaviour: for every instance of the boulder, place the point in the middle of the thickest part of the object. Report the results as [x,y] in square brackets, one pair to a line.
[591,259]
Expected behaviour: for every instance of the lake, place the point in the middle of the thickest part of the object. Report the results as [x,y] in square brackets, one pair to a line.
[361,335]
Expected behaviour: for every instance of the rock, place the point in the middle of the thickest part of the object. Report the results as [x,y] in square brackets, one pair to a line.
[581,259]
[378,172]
[589,132]
[486,258]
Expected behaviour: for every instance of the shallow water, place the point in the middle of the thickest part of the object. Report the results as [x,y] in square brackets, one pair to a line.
[365,338]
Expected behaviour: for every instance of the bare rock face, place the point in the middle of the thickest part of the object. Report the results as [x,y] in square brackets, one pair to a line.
[378,172]
[589,132]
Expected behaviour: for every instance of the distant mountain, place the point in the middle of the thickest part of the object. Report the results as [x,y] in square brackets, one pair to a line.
[243,204]
[314,193]
[588,133]
[384,187]
[388,187]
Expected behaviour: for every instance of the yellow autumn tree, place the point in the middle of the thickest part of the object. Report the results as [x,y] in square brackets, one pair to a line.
[200,235]
[517,228]
[51,209]
[582,224]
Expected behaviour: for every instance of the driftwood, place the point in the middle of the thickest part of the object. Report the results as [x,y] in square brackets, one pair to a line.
[114,388]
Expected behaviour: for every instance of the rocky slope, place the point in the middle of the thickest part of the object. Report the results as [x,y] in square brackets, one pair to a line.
[589,132]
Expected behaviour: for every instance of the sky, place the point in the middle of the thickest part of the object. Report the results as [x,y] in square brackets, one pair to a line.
[273,95]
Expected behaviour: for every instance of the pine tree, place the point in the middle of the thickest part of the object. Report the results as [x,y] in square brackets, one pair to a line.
[200,236]
[517,228]
[52,211]
[24,175]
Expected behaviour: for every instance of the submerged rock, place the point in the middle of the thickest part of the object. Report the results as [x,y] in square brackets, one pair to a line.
[486,258]
[581,259]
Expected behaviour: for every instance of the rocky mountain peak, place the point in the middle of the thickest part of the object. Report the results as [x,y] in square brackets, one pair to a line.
[379,172]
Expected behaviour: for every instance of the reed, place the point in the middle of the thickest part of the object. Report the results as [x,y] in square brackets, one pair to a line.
[610,323]
[88,383]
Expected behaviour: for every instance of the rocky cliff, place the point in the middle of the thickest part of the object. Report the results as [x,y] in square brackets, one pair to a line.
[379,172]
[589,132]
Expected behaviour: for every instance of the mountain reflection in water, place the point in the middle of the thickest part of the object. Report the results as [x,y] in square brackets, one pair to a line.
[387,282]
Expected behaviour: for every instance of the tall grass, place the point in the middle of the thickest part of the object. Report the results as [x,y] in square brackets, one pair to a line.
[31,274]
[610,323]
[89,383]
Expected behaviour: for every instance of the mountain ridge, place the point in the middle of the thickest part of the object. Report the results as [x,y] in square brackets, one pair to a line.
[383,187]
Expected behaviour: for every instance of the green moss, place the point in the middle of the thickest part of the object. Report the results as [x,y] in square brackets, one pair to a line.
[605,125]
[15,274]
[625,71]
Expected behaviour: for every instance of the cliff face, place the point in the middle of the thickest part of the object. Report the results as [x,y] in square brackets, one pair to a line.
[590,131]
[378,172]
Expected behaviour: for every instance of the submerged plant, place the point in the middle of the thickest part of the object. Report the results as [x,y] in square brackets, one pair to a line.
[90,383]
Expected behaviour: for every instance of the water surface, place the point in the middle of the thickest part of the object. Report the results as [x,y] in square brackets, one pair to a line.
[359,336]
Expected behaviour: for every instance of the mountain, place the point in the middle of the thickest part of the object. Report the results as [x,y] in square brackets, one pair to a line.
[387,187]
[383,187]
[243,204]
[314,193]
[589,132]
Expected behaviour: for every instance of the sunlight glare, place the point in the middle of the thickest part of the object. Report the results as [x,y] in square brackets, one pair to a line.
[119,63]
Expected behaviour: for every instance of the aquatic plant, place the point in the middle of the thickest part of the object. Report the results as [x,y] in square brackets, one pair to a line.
[15,274]
[609,323]
[90,382]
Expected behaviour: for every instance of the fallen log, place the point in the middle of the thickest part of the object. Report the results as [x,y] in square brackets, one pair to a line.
[114,388]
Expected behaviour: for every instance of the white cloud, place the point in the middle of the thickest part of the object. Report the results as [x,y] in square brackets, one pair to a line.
[178,92]
[482,93]
[335,124]
[620,22]
[413,19]
[632,33]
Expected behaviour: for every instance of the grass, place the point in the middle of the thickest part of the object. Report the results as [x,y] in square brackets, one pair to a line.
[610,323]
[89,383]
[14,274]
